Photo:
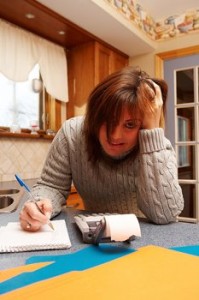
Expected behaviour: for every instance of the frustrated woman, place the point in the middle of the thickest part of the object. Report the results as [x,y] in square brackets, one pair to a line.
[117,155]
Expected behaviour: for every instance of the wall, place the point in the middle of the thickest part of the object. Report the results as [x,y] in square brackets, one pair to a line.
[22,156]
[147,61]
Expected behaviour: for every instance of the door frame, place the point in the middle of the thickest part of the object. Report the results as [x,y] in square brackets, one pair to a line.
[160,58]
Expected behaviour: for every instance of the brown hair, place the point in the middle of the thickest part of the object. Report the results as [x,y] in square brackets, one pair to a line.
[127,87]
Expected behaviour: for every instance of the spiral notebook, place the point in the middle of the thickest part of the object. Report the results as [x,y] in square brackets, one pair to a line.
[14,239]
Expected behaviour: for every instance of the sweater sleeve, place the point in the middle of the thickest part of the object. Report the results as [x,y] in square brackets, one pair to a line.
[159,194]
[55,180]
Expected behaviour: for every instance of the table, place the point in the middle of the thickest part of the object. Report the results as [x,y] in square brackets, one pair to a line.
[47,274]
[171,235]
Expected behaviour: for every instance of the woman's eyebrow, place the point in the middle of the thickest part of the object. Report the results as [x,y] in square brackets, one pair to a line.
[132,120]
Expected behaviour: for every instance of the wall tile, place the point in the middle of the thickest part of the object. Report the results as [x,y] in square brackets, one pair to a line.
[22,156]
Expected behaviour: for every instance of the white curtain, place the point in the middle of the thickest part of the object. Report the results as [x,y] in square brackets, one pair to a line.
[20,50]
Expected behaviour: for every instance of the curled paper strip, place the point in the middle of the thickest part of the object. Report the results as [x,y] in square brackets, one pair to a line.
[121,227]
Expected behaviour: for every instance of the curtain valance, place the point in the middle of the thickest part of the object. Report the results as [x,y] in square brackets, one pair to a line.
[20,50]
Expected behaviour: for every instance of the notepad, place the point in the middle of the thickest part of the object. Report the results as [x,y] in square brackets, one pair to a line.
[15,239]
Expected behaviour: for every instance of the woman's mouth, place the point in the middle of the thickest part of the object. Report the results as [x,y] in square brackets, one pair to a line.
[115,144]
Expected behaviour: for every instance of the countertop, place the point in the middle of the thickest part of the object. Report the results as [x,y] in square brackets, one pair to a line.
[23,135]
[171,235]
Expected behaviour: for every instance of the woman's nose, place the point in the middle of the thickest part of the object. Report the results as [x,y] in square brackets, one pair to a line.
[116,133]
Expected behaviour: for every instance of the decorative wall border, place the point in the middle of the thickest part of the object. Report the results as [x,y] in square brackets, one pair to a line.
[170,27]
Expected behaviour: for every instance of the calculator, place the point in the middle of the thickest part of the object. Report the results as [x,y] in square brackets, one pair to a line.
[93,228]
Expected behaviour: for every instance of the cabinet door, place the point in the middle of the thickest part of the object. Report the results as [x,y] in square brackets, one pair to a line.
[74,200]
[81,76]
[107,61]
[118,61]
[102,62]
[89,64]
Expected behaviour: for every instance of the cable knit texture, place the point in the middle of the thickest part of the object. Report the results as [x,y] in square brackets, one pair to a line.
[148,184]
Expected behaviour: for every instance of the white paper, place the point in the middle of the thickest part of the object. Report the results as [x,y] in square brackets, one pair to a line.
[14,239]
[121,227]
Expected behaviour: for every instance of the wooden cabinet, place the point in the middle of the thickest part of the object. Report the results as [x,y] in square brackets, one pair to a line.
[88,64]
[74,200]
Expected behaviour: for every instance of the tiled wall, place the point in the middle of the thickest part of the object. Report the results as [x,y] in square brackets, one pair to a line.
[23,156]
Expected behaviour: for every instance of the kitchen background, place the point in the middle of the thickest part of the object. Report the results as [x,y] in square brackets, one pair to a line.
[27,155]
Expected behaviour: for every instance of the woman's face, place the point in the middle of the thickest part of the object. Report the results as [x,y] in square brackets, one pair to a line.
[123,137]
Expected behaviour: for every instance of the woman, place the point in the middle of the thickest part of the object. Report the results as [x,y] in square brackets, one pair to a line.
[116,156]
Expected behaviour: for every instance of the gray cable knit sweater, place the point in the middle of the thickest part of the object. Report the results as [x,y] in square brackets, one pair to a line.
[149,182]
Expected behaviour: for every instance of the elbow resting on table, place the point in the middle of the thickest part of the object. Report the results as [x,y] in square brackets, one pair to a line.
[165,219]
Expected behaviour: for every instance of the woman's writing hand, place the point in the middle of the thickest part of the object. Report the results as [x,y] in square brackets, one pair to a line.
[152,117]
[31,219]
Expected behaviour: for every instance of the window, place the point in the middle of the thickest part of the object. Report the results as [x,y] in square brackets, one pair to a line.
[183,135]
[186,135]
[21,102]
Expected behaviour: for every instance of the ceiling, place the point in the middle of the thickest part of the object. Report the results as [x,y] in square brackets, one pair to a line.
[94,19]
[85,20]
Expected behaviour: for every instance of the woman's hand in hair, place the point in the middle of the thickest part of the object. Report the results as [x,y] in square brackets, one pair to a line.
[153,114]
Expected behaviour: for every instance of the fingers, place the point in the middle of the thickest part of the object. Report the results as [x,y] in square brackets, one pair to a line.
[155,94]
[29,227]
[28,218]
[158,94]
[46,207]
[153,112]
[31,218]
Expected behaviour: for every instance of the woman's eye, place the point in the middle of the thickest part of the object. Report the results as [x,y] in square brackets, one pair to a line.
[130,125]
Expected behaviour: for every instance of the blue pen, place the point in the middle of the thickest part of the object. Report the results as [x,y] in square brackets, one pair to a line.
[24,185]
